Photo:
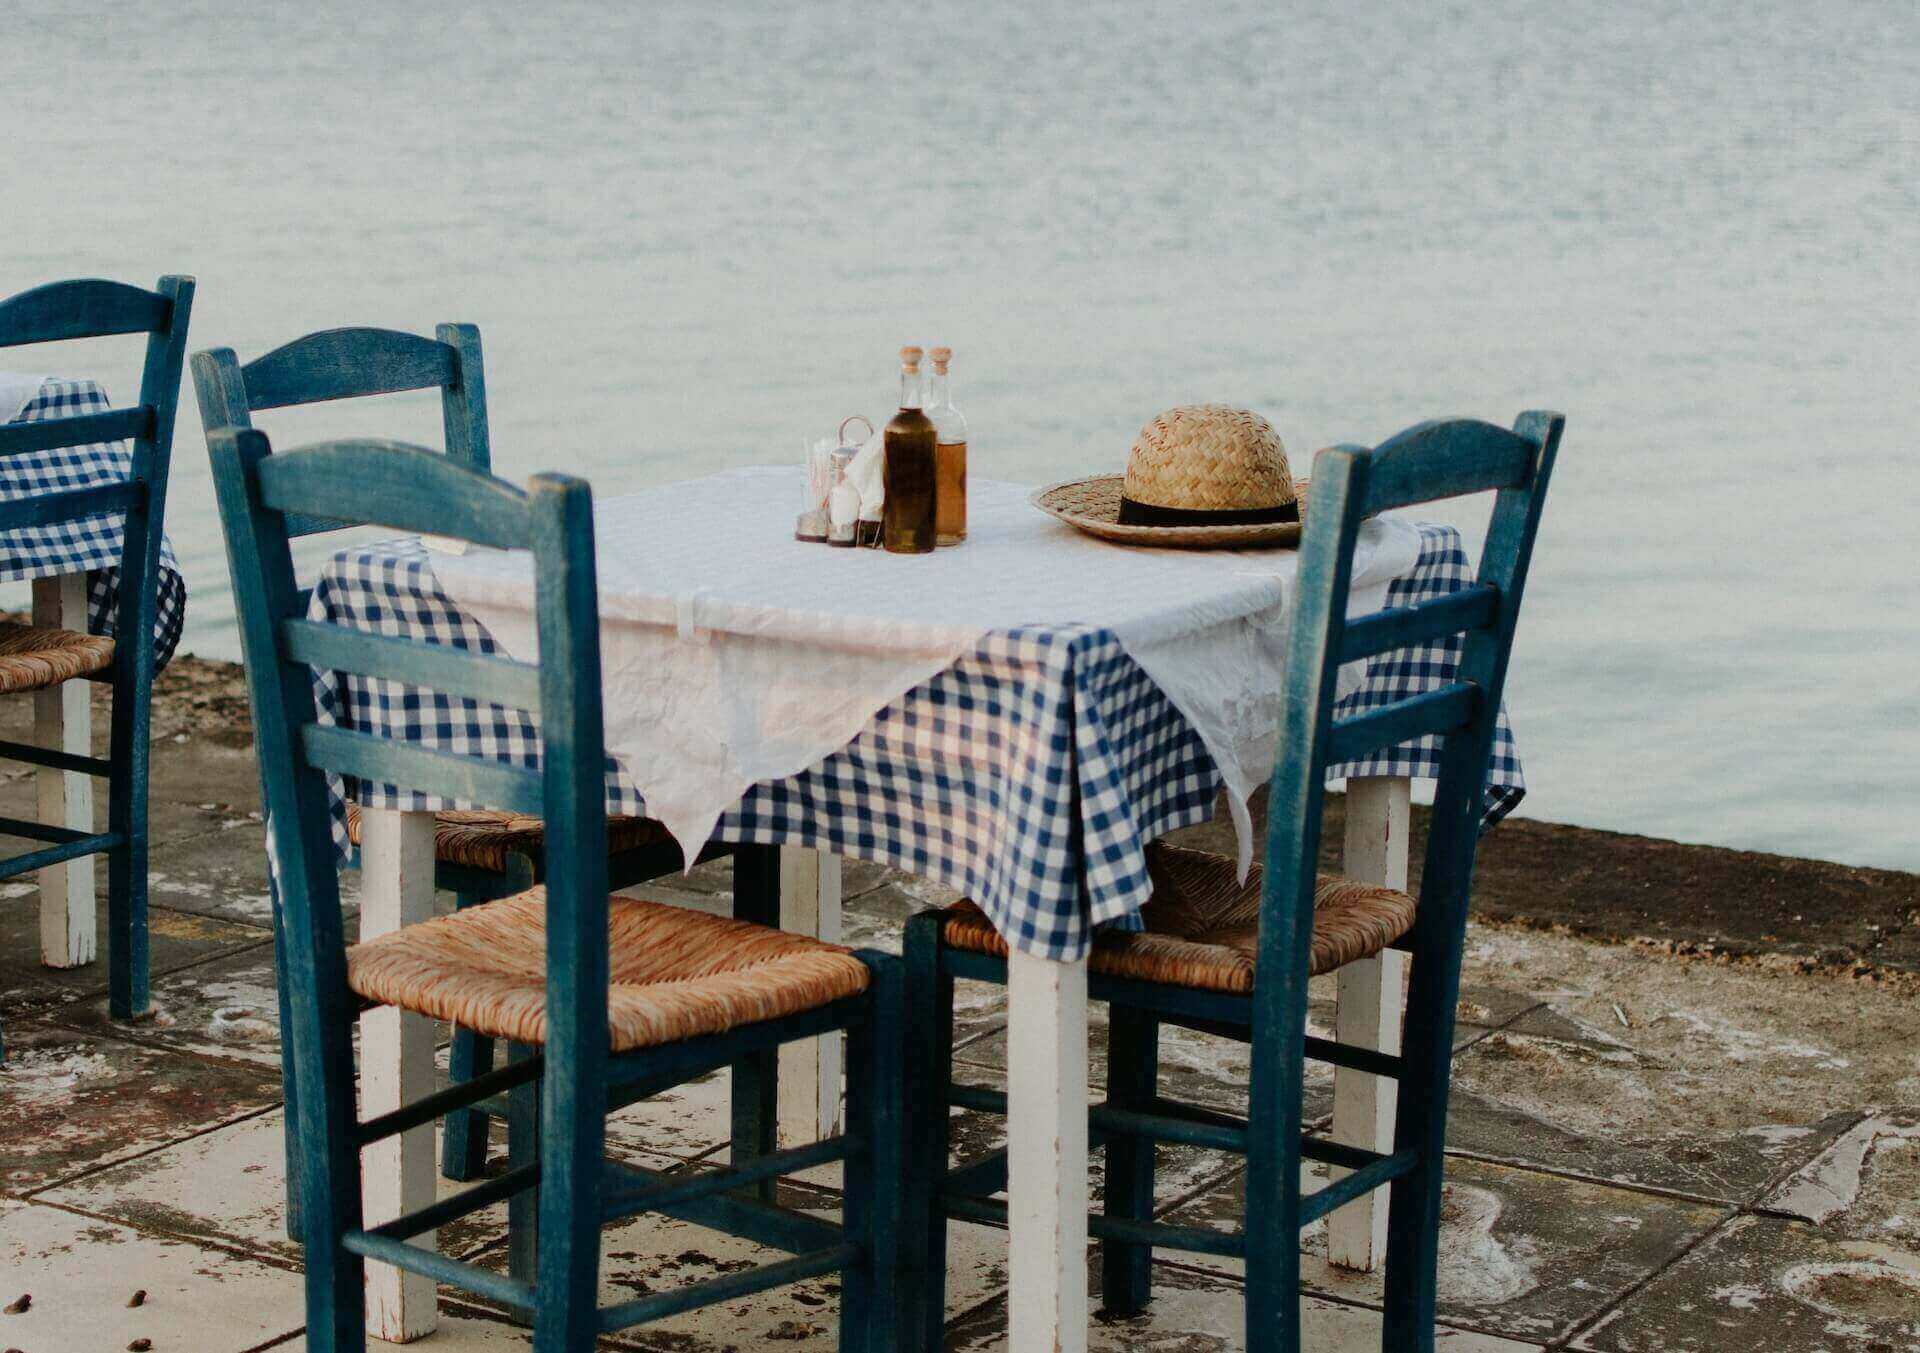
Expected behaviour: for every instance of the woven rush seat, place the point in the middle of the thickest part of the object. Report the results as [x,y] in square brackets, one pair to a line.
[34,659]
[1203,925]
[483,839]
[676,974]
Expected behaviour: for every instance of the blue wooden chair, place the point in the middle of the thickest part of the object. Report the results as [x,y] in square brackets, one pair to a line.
[1234,960]
[478,855]
[32,659]
[613,999]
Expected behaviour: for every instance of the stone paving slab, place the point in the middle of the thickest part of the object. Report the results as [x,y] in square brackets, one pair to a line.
[226,1187]
[226,1007]
[652,1254]
[1204,1313]
[457,1333]
[1642,1070]
[175,939]
[1764,1283]
[81,1273]
[221,872]
[1644,1152]
[686,1122]
[72,1102]
[1522,1253]
[1843,1272]
[1866,1183]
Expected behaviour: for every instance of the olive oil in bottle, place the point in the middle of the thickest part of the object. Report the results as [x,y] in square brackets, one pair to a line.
[950,454]
[908,448]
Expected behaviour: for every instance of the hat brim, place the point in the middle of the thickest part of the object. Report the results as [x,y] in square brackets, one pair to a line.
[1092,505]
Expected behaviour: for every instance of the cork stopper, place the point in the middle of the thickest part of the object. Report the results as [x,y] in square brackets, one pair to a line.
[941,356]
[910,358]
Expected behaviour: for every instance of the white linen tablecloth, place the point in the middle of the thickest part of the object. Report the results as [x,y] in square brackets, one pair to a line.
[733,654]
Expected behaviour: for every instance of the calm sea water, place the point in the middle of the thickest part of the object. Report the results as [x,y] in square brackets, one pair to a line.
[694,233]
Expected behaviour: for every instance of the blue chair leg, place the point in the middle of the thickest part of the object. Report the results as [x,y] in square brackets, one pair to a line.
[1272,1225]
[1273,1243]
[929,1077]
[463,1149]
[290,1106]
[1413,1214]
[871,1291]
[523,1148]
[1133,1064]
[127,963]
[573,1113]
[756,1078]
[330,1190]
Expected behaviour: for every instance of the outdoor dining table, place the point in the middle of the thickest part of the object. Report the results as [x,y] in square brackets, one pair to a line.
[1025,764]
[74,567]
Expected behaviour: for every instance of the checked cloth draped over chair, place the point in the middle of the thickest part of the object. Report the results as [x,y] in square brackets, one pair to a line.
[91,543]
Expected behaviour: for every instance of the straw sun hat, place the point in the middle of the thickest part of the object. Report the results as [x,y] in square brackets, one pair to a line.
[1199,476]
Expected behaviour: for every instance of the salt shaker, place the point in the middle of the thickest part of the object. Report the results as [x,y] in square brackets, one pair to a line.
[843,502]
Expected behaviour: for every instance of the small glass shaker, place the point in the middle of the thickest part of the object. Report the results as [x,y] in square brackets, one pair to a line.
[812,523]
[843,502]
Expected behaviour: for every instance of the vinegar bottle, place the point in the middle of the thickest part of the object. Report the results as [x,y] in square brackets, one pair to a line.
[908,469]
[950,454]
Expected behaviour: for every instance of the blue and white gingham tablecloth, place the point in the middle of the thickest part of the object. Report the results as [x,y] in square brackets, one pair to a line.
[88,543]
[1074,759]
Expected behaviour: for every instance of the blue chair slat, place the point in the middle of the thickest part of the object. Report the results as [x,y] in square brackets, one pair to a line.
[331,648]
[561,1101]
[1349,484]
[349,468]
[87,307]
[92,308]
[346,364]
[70,505]
[115,425]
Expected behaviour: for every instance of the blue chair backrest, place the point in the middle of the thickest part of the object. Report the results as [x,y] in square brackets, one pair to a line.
[348,364]
[1349,484]
[413,489]
[92,308]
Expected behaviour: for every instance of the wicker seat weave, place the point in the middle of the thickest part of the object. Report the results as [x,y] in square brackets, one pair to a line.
[34,659]
[1203,925]
[483,839]
[676,974]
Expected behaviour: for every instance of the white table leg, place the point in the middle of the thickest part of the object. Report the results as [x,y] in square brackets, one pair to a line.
[1370,1004]
[809,1093]
[1047,1144]
[396,1067]
[62,719]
